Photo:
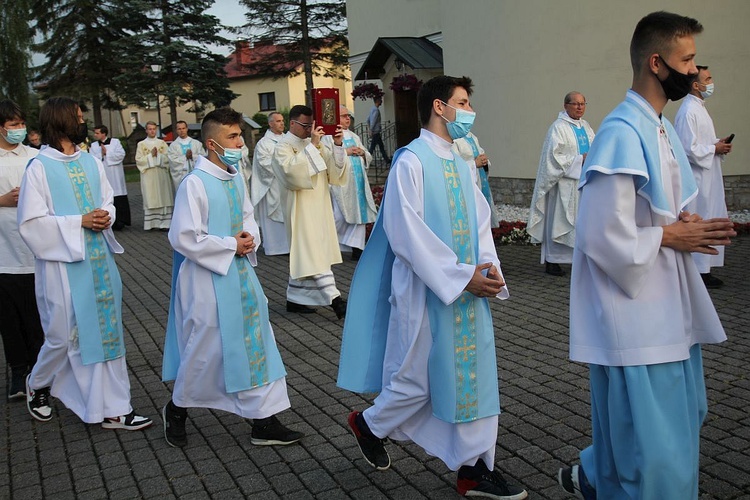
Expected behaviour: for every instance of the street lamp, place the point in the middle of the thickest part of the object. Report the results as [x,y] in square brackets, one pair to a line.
[156,68]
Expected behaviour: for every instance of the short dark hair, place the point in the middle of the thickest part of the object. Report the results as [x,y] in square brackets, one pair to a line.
[180,121]
[216,118]
[299,110]
[440,87]
[656,33]
[58,119]
[696,77]
[9,110]
[102,128]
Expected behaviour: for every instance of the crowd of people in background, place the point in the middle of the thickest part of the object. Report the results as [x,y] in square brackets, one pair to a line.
[638,210]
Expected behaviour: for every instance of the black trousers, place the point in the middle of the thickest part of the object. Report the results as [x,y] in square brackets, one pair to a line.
[377,140]
[19,320]
[122,209]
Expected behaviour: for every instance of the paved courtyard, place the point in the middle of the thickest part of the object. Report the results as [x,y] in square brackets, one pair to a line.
[544,398]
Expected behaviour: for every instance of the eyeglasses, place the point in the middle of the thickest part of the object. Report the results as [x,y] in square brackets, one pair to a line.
[305,126]
[576,104]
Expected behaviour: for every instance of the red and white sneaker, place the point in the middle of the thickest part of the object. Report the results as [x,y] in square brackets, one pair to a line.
[129,422]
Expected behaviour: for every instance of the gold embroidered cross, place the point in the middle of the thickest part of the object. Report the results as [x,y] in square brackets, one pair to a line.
[465,348]
[462,232]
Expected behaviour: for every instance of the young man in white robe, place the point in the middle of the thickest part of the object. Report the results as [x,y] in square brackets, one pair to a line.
[110,152]
[20,327]
[420,330]
[265,190]
[156,182]
[706,153]
[219,347]
[554,204]
[472,153]
[306,168]
[65,213]
[353,206]
[183,153]
[639,311]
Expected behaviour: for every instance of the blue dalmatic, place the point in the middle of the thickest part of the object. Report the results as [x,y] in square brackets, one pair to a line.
[462,364]
[249,351]
[484,182]
[358,171]
[582,138]
[95,285]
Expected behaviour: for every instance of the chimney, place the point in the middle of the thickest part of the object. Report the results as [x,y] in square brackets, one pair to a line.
[240,49]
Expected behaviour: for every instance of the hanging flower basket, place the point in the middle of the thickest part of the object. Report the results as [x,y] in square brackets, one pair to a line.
[366,91]
[405,83]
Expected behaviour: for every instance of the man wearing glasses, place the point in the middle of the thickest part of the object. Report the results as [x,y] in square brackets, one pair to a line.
[306,168]
[554,204]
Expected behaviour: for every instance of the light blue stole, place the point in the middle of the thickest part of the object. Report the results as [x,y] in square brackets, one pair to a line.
[251,358]
[484,182]
[582,138]
[628,143]
[95,285]
[358,171]
[462,364]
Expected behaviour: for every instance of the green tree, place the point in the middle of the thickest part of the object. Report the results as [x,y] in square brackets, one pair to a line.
[310,35]
[170,35]
[14,52]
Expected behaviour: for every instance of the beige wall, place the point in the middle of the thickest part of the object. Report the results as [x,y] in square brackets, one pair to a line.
[524,57]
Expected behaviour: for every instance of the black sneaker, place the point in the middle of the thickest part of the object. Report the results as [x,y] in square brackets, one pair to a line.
[573,481]
[129,422]
[174,425]
[37,401]
[293,307]
[479,481]
[17,389]
[711,282]
[370,445]
[269,431]
[339,307]
[356,253]
[553,269]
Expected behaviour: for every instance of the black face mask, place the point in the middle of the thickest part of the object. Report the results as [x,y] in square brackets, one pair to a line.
[676,85]
[80,135]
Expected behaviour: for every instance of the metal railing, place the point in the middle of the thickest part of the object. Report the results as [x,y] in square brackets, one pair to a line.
[380,166]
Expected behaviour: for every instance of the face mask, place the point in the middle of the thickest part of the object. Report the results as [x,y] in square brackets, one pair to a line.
[15,135]
[676,85]
[462,124]
[231,156]
[81,134]
[708,92]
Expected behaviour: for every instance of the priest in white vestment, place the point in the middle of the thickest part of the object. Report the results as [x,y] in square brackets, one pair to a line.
[420,330]
[469,149]
[110,152]
[306,168]
[554,204]
[183,153]
[639,311]
[265,190]
[65,212]
[219,347]
[156,182]
[706,153]
[353,206]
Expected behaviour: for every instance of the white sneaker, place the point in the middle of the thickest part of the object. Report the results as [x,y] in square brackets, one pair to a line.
[129,422]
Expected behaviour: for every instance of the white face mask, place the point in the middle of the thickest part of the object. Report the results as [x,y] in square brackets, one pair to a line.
[708,92]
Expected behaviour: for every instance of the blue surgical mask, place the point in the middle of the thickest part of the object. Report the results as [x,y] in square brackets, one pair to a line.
[462,124]
[15,135]
[231,156]
[708,92]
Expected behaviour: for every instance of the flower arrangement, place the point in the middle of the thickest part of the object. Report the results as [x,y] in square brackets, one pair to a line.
[366,91]
[405,83]
[742,228]
[511,233]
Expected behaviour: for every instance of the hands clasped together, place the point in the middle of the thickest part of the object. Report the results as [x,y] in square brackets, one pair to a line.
[245,243]
[693,234]
[485,286]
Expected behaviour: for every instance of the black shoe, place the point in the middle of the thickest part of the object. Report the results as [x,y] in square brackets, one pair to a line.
[479,481]
[17,389]
[711,282]
[553,269]
[339,307]
[356,253]
[37,401]
[371,446]
[129,422]
[174,419]
[574,482]
[293,307]
[269,431]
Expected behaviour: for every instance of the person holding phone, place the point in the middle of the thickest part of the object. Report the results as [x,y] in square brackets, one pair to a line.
[706,152]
